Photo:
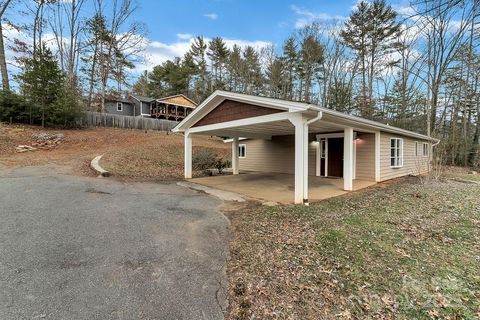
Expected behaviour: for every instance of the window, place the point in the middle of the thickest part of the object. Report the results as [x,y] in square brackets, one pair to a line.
[396,152]
[323,148]
[119,106]
[242,150]
[416,148]
[425,150]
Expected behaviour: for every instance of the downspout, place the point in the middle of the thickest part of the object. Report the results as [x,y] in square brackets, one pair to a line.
[318,117]
[305,158]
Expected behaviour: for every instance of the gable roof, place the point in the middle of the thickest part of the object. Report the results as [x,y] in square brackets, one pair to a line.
[141,98]
[217,97]
[177,99]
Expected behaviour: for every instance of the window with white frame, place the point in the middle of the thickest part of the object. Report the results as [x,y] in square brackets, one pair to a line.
[242,150]
[119,106]
[416,148]
[425,150]
[396,152]
[323,148]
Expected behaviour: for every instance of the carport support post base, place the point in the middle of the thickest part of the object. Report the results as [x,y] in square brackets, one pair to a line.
[235,158]
[188,155]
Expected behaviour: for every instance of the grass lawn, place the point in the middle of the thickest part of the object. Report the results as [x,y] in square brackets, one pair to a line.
[400,250]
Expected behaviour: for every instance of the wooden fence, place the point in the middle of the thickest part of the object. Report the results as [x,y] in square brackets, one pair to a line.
[99,119]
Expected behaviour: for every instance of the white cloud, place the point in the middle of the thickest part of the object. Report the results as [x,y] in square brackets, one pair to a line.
[157,52]
[184,36]
[212,16]
[307,17]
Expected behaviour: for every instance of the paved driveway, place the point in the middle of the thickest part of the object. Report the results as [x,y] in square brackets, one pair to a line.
[89,248]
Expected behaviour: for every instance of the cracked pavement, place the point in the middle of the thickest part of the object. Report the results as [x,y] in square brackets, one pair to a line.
[90,248]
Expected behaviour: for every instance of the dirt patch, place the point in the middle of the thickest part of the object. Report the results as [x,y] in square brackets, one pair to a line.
[128,154]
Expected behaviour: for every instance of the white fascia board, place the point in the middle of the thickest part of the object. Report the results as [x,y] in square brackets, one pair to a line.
[373,124]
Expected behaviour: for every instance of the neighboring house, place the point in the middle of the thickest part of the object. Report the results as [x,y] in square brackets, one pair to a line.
[174,108]
[305,140]
[142,105]
[119,106]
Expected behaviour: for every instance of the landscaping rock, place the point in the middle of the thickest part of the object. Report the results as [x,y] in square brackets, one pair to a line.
[47,136]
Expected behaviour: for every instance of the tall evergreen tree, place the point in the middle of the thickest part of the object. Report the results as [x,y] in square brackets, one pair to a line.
[41,82]
[371,31]
[218,54]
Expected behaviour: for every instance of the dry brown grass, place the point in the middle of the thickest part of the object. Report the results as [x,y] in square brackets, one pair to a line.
[128,154]
[401,250]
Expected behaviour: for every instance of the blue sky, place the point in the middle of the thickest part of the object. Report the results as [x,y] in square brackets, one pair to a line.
[172,24]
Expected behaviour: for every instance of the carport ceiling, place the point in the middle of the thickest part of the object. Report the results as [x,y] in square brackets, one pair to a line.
[266,130]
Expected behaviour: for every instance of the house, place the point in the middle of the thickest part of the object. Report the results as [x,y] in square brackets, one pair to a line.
[305,141]
[174,108]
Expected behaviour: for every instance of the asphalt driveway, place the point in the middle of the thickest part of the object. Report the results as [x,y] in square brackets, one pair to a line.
[89,248]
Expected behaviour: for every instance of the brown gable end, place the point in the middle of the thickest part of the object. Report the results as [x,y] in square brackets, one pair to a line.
[230,110]
[179,100]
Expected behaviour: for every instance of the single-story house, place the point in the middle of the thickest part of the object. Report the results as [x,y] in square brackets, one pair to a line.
[305,140]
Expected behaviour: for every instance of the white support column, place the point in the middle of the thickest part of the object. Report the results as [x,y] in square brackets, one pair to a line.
[377,156]
[235,159]
[348,159]
[301,158]
[188,155]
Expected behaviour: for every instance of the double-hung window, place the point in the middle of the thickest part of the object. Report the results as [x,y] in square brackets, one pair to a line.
[242,150]
[425,149]
[396,152]
[119,106]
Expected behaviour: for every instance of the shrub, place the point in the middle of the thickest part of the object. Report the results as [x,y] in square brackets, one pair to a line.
[221,164]
[204,159]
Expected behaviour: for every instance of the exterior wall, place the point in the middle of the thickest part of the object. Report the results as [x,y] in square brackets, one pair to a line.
[145,108]
[411,164]
[276,155]
[233,110]
[365,159]
[111,107]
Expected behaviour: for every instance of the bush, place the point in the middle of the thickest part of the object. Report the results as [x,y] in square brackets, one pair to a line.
[221,164]
[204,159]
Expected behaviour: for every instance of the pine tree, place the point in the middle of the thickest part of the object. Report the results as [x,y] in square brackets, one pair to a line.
[198,53]
[290,63]
[218,54]
[41,82]
[370,31]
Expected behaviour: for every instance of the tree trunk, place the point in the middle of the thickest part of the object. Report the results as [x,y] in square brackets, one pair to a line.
[3,62]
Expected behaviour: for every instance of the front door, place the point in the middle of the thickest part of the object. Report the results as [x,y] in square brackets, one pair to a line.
[335,157]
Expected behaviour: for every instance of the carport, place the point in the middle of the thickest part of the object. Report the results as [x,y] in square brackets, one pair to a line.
[236,116]
[278,187]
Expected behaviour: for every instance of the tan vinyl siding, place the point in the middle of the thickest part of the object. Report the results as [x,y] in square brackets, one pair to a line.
[365,161]
[412,165]
[276,155]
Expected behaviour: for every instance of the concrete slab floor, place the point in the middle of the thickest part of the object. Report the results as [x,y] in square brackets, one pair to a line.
[278,187]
